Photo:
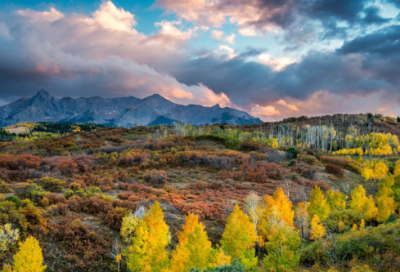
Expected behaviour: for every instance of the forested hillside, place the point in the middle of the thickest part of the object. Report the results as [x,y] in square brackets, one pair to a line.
[304,194]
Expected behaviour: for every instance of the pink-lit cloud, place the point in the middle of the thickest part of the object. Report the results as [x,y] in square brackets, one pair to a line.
[251,16]
[104,48]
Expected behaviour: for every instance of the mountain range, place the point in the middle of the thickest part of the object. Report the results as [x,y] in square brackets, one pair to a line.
[124,111]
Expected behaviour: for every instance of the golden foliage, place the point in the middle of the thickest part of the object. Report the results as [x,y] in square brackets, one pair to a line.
[29,257]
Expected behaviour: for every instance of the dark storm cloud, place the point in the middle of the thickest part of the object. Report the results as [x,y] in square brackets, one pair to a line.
[384,42]
[372,16]
[362,66]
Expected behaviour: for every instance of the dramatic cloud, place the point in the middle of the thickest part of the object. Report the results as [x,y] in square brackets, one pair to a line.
[312,57]
[101,55]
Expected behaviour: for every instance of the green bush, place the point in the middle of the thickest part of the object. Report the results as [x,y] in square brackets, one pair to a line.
[292,152]
[311,160]
[8,214]
[361,244]
[15,200]
[51,184]
[235,266]
[30,191]
[228,141]
[347,217]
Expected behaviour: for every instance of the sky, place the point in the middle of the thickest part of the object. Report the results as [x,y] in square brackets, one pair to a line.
[271,58]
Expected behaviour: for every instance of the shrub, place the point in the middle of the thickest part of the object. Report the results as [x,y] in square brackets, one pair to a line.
[8,237]
[361,244]
[123,186]
[75,204]
[8,214]
[51,184]
[83,243]
[292,153]
[114,218]
[155,177]
[334,170]
[311,160]
[15,200]
[307,171]
[68,167]
[350,165]
[4,187]
[347,217]
[30,191]
[34,217]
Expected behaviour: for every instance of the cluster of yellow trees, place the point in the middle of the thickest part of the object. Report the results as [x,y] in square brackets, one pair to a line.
[376,144]
[29,258]
[270,222]
[274,224]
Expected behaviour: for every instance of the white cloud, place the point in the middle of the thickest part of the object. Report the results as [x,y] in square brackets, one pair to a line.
[227,51]
[219,35]
[169,28]
[248,32]
[44,16]
[111,17]
[230,39]
[276,64]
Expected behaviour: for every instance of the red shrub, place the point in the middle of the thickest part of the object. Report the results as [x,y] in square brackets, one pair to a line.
[83,242]
[21,162]
[334,170]
[156,177]
[68,167]
[123,186]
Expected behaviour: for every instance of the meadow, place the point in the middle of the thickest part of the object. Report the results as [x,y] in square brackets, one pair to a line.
[304,194]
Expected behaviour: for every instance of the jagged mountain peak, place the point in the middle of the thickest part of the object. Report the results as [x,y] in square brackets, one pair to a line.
[122,111]
[216,106]
[43,93]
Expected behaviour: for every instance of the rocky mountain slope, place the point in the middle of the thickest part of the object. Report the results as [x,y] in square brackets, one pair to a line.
[126,111]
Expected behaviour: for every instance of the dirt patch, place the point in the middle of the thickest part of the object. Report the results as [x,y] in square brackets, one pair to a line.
[19,130]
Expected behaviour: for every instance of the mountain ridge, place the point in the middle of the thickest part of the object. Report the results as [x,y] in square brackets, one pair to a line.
[122,111]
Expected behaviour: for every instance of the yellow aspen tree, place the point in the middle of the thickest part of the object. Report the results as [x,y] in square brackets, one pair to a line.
[380,169]
[386,205]
[194,249]
[137,259]
[280,204]
[283,243]
[277,207]
[370,209]
[354,227]
[239,238]
[358,199]
[336,200]
[317,229]
[29,257]
[147,252]
[302,220]
[397,166]
[362,224]
[318,205]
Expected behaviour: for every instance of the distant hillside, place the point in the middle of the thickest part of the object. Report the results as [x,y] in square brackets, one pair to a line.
[124,112]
